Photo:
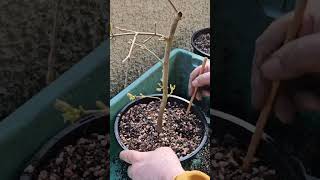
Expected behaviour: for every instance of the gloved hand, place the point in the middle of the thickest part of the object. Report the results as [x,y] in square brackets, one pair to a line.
[296,64]
[160,164]
[201,81]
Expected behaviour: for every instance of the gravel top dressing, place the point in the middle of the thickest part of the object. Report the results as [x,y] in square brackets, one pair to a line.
[183,133]
[226,161]
[87,159]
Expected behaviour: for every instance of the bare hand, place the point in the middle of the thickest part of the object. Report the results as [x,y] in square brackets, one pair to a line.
[201,81]
[160,164]
[296,64]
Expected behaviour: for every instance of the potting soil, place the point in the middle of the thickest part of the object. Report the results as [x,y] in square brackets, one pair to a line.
[183,133]
[226,161]
[87,159]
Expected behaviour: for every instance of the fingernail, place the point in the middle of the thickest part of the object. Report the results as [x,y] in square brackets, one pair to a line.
[271,68]
[121,154]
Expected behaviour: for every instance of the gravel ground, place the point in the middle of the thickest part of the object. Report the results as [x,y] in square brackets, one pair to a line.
[25,33]
[141,15]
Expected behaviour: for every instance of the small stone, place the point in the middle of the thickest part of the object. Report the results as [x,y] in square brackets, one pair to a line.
[221,177]
[100,137]
[255,171]
[43,175]
[104,142]
[263,168]
[68,172]
[218,156]
[215,164]
[82,141]
[29,169]
[53,177]
[86,173]
[223,163]
[233,162]
[59,160]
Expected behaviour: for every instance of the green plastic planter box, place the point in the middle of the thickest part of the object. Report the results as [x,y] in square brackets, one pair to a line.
[32,124]
[182,63]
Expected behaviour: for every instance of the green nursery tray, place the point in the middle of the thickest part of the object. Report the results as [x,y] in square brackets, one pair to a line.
[24,131]
[182,63]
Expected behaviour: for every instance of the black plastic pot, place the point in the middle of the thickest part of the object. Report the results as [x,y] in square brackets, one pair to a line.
[287,167]
[195,35]
[194,109]
[97,123]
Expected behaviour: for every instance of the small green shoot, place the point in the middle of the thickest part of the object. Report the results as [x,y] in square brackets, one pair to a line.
[172,88]
[72,114]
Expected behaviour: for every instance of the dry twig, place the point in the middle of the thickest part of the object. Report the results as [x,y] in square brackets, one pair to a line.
[51,58]
[175,9]
[143,46]
[133,42]
[131,48]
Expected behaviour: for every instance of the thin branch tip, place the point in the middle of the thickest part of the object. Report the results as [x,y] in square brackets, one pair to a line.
[172,5]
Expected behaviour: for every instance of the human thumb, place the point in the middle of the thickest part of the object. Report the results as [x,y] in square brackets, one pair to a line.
[131,156]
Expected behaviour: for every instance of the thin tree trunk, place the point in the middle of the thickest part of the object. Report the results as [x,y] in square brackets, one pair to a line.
[165,70]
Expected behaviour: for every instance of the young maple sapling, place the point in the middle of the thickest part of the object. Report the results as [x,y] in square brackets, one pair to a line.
[165,70]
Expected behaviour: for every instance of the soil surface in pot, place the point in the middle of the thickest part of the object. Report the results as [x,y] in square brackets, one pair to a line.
[203,42]
[226,161]
[183,133]
[87,159]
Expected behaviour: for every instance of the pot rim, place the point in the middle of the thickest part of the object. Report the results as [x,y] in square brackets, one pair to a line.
[195,35]
[203,120]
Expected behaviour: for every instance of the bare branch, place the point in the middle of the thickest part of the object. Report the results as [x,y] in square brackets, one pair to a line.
[51,58]
[175,9]
[143,46]
[139,33]
[146,40]
[126,74]
[132,32]
[130,51]
[122,29]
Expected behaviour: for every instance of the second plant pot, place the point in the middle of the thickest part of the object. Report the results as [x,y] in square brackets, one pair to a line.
[200,41]
[135,126]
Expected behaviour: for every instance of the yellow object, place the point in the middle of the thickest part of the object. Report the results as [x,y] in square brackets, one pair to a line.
[192,175]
